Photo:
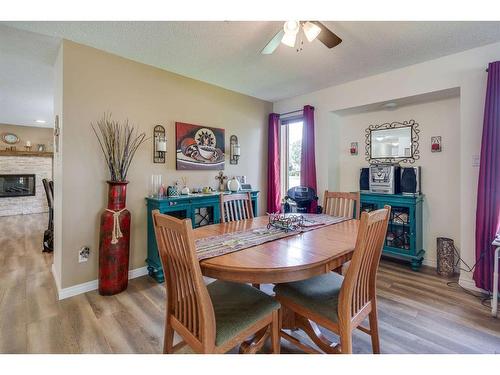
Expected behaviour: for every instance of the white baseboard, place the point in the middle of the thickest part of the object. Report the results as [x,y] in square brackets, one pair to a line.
[93,285]
[138,272]
[56,278]
[430,262]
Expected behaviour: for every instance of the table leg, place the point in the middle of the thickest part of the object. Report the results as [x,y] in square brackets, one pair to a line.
[494,302]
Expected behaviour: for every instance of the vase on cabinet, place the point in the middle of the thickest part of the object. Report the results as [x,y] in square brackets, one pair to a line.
[233,185]
[114,241]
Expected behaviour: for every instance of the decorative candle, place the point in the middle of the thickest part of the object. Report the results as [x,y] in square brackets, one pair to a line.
[161,146]
[236,150]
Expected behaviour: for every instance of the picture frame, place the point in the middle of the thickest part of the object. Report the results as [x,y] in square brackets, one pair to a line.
[10,138]
[199,147]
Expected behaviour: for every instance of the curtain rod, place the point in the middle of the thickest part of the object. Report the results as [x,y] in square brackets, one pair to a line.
[289,113]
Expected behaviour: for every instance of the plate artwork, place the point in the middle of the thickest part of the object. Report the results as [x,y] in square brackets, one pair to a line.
[10,138]
[199,147]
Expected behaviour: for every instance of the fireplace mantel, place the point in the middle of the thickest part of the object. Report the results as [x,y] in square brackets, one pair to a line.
[43,154]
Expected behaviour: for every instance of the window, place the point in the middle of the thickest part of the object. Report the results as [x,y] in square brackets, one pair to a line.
[291,147]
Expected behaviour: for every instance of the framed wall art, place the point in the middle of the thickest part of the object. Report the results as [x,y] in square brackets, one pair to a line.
[10,138]
[199,147]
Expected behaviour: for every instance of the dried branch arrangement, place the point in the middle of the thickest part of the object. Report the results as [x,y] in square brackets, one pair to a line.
[118,142]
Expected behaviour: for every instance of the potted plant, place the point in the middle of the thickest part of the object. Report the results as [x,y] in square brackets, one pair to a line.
[119,143]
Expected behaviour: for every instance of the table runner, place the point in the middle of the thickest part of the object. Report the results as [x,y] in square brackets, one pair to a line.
[221,244]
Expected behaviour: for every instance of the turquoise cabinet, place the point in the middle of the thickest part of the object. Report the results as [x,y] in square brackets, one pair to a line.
[202,209]
[404,232]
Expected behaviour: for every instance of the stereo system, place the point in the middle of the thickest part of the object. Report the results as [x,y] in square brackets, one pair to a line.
[390,179]
[384,178]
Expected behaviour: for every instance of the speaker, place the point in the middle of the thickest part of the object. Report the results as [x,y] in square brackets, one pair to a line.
[364,179]
[410,180]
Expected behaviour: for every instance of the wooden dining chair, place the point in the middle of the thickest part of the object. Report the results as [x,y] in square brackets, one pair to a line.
[341,204]
[339,303]
[234,207]
[213,318]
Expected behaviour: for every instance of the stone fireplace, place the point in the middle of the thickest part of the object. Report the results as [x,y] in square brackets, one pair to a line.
[21,188]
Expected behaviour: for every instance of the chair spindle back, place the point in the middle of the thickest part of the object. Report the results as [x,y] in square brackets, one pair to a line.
[234,207]
[188,302]
[358,288]
[341,204]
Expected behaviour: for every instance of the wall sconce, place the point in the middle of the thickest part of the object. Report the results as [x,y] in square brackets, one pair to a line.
[159,144]
[436,144]
[234,150]
[353,150]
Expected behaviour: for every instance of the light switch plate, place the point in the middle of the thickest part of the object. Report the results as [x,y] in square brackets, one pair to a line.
[476,160]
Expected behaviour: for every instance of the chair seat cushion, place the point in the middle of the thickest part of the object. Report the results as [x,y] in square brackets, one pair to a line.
[237,307]
[318,294]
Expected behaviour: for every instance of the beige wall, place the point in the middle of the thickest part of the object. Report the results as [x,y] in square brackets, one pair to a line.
[440,171]
[95,82]
[33,134]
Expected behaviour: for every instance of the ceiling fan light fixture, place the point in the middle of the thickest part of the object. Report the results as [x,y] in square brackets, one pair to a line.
[289,39]
[291,27]
[311,30]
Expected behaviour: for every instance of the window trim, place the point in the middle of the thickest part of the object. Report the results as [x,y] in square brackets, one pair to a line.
[284,151]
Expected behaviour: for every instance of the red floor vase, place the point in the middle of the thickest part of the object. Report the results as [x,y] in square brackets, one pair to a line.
[114,241]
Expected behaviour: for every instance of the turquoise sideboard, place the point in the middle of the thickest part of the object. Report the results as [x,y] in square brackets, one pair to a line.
[202,209]
[404,232]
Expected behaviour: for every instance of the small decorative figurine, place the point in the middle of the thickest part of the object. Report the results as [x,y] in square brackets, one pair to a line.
[220,177]
[184,190]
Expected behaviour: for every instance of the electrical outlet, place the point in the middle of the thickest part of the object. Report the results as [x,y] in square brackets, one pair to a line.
[83,254]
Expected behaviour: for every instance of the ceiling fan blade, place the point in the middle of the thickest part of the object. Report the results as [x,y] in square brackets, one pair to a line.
[273,43]
[327,37]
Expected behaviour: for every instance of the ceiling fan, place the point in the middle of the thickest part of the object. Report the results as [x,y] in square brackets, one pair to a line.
[311,29]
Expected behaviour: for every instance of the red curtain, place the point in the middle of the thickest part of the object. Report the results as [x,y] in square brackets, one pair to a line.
[273,165]
[488,192]
[308,162]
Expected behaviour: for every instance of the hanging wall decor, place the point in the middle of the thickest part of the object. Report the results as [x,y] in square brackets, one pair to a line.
[436,144]
[395,142]
[234,150]
[199,147]
[10,138]
[159,144]
[353,150]
[57,132]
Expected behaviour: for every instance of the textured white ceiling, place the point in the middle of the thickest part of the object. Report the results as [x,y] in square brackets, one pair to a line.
[227,54]
[26,77]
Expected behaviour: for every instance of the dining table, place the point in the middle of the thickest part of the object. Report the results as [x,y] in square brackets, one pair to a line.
[299,256]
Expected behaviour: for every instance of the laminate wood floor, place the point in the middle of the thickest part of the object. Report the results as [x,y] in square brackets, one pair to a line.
[418,312]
